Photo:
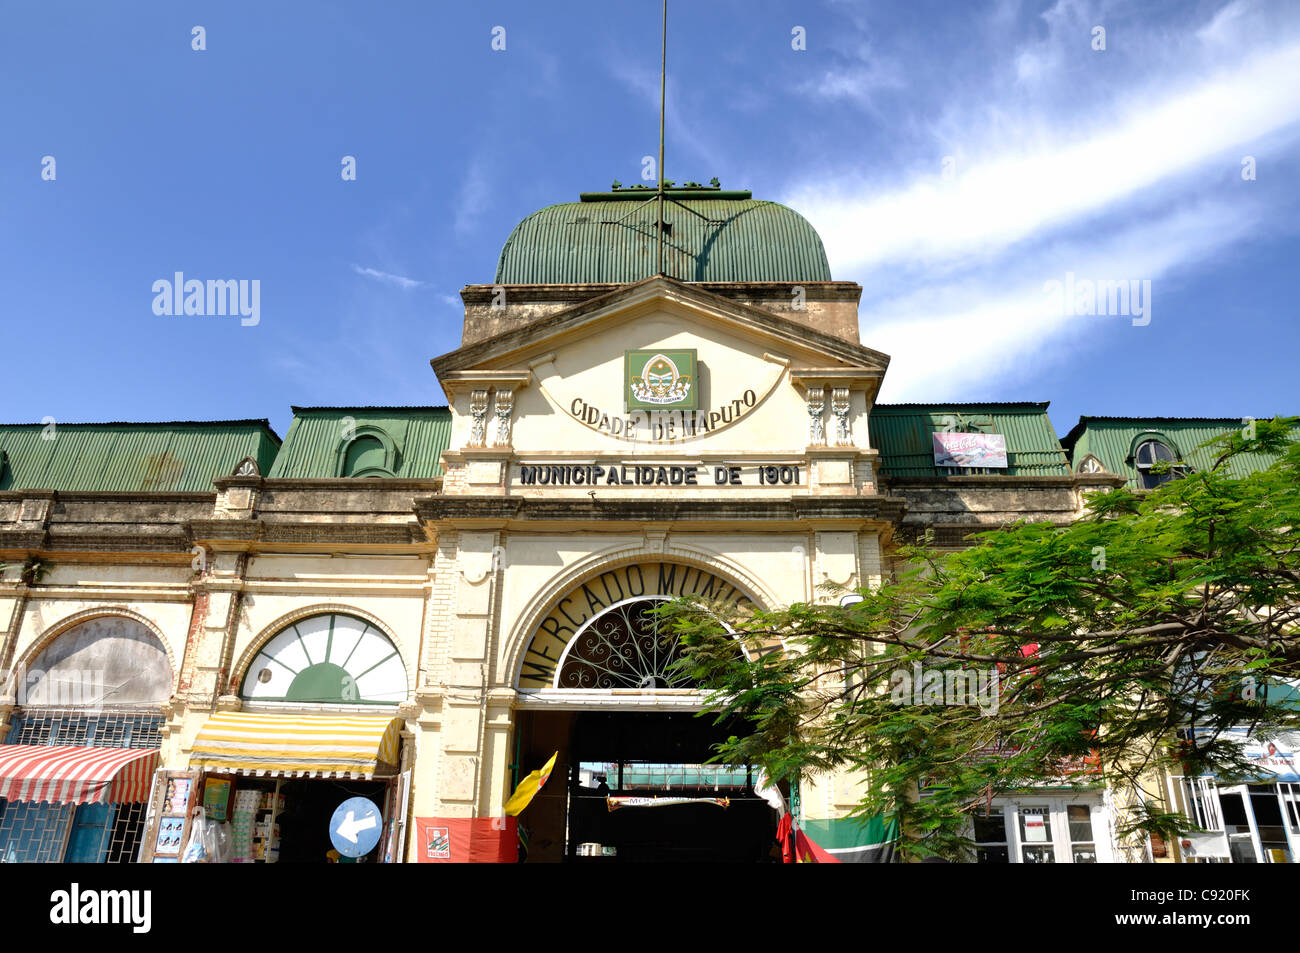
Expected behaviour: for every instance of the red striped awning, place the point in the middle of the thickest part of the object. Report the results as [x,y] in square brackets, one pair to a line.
[73,774]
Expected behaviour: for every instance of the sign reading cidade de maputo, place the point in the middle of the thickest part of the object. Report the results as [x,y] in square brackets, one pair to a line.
[661,400]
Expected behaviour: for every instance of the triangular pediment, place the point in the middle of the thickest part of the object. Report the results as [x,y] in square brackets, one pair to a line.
[697,308]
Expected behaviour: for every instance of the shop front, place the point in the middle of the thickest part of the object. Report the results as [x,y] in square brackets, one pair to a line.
[282,787]
[72,803]
[82,743]
[1044,828]
[1256,821]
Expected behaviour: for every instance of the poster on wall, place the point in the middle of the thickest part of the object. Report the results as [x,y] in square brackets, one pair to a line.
[1278,756]
[170,831]
[216,798]
[1035,828]
[173,798]
[467,840]
[970,450]
[178,796]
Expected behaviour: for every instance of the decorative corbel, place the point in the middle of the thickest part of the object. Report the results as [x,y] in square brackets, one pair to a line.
[505,405]
[840,405]
[478,402]
[816,404]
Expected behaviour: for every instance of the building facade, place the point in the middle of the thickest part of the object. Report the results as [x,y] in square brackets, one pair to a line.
[420,605]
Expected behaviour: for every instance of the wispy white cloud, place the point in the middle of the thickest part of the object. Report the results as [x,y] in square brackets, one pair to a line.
[863,71]
[1008,195]
[1114,169]
[396,281]
[473,195]
[954,338]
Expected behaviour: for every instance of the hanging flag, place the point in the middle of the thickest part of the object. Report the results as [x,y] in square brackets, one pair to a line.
[807,852]
[851,840]
[529,787]
[785,837]
[769,792]
[525,835]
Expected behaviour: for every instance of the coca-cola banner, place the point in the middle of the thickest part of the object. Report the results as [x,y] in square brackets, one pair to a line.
[970,450]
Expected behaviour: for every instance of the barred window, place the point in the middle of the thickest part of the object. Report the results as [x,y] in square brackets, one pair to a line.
[94,729]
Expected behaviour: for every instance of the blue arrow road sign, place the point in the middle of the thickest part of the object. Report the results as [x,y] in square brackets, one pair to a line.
[355,827]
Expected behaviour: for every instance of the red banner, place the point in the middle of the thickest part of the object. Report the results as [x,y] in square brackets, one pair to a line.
[467,840]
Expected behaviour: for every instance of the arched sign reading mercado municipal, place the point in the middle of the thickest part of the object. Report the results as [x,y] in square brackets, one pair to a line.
[603,635]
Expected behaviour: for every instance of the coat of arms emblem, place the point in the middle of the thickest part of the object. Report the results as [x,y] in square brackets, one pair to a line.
[661,379]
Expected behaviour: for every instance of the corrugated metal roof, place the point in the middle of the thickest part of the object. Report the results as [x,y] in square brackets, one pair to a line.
[177,456]
[1111,440]
[318,435]
[711,239]
[370,407]
[901,432]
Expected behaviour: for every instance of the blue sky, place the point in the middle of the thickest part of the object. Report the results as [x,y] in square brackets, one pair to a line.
[956,158]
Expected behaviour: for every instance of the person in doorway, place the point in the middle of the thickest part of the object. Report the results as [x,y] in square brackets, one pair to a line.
[293,834]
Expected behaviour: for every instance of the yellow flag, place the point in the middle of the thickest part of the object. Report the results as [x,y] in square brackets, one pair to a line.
[529,787]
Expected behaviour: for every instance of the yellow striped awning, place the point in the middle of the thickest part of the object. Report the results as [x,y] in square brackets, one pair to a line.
[294,745]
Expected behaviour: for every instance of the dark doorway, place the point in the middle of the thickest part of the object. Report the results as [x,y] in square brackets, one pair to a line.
[683,809]
[305,821]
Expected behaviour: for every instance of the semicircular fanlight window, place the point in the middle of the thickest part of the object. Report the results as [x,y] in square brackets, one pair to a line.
[328,659]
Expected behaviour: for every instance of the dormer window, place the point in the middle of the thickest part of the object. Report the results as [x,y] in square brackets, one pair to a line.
[1147,455]
[364,453]
[369,452]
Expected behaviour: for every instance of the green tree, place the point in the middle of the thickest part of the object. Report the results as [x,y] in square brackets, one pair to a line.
[1111,639]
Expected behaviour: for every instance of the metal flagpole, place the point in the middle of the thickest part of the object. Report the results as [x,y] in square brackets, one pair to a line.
[663,74]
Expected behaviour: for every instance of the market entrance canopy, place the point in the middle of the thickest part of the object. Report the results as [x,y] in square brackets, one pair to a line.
[75,774]
[294,745]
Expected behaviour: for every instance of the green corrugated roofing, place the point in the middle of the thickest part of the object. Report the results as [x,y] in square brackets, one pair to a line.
[318,437]
[131,457]
[1111,440]
[611,237]
[901,432]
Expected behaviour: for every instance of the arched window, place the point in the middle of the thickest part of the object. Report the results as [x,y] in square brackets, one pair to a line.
[101,683]
[327,659]
[364,453]
[369,452]
[107,662]
[1146,455]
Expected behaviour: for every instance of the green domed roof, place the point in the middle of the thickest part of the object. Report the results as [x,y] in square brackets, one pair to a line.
[711,235]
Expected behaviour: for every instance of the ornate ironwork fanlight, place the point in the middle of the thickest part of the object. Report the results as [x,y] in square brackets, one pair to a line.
[626,646]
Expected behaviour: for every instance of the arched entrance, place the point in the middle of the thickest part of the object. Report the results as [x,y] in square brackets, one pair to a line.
[632,782]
